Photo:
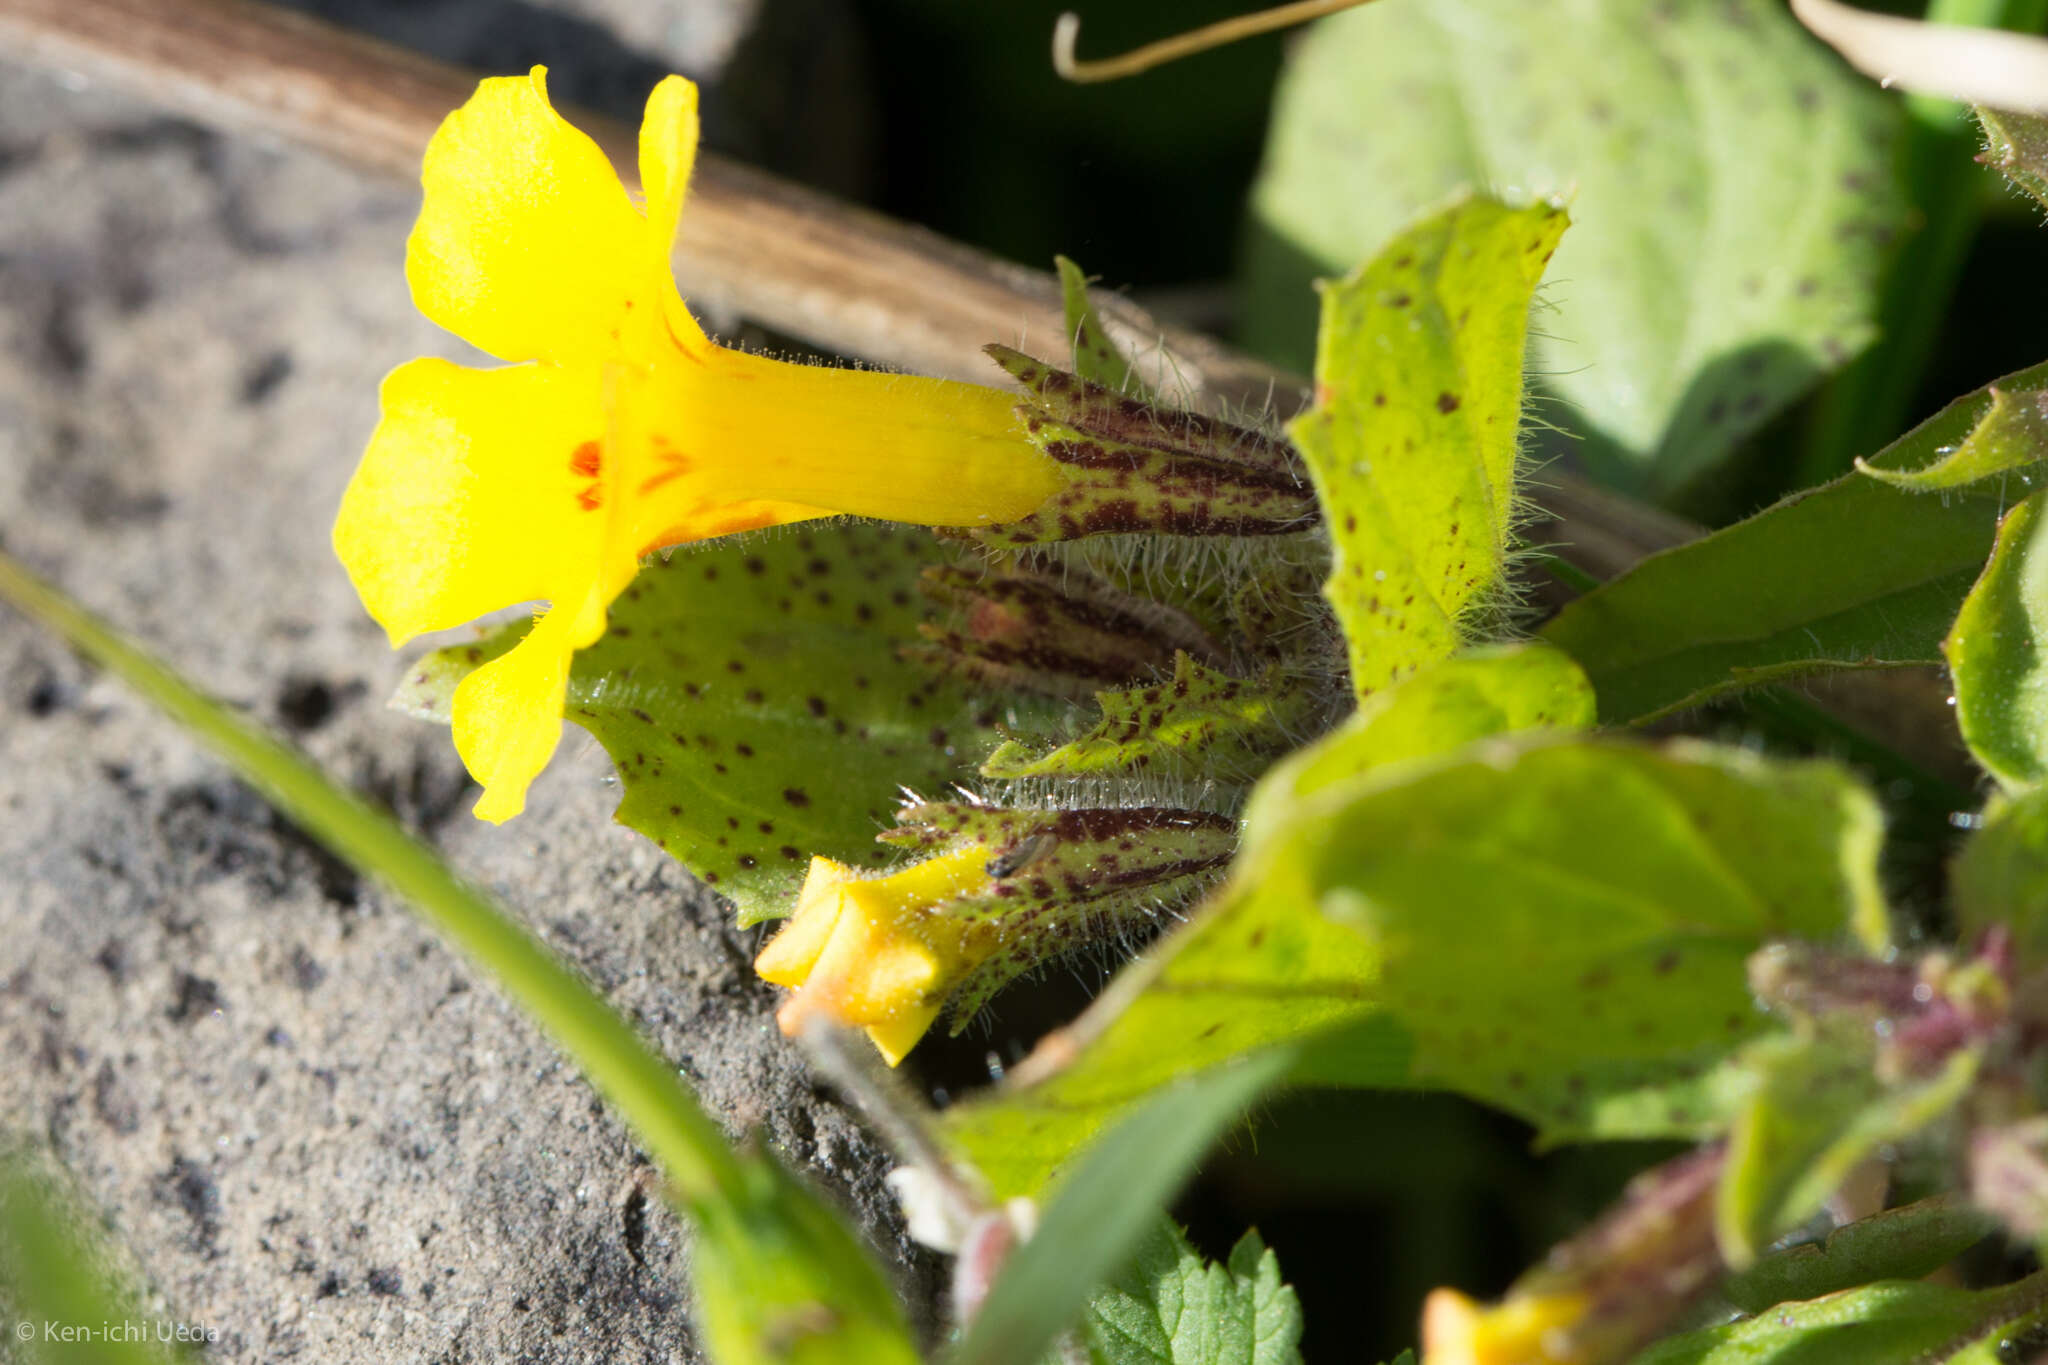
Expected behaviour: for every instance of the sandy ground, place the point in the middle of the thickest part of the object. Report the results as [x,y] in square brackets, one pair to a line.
[321,1135]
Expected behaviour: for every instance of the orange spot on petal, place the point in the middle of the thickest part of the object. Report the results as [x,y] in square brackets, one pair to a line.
[587,459]
[678,465]
[674,535]
[706,527]
[688,348]
[727,525]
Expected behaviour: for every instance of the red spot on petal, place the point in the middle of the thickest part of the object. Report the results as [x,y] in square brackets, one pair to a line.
[686,346]
[587,459]
[677,464]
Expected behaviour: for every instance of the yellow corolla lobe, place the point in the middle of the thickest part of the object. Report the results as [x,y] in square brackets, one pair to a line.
[878,952]
[1524,1329]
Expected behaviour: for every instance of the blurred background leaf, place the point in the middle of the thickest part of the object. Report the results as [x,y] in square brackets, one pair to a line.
[1731,182]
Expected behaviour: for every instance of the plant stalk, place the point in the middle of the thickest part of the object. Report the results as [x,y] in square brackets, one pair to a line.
[662,1112]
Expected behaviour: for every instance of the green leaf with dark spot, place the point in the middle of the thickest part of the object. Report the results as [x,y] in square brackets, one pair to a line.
[1199,723]
[1995,653]
[1171,1307]
[1853,574]
[1096,357]
[1562,924]
[1896,1322]
[1559,928]
[752,695]
[1818,1111]
[1412,441]
[2016,146]
[1733,182]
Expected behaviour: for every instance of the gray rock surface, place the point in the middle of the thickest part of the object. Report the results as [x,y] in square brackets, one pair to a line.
[320,1133]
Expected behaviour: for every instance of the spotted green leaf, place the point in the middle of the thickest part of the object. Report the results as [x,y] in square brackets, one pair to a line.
[1994,653]
[1894,1322]
[1096,356]
[1733,183]
[1412,441]
[2016,145]
[754,701]
[1858,573]
[1562,924]
[1556,927]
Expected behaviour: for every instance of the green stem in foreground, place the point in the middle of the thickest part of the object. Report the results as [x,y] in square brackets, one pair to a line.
[54,1270]
[655,1103]
[1869,401]
[779,1278]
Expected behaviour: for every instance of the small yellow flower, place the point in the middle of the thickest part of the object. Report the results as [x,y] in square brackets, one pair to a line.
[877,952]
[620,428]
[1523,1329]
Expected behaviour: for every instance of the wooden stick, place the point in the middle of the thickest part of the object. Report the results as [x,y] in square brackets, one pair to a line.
[790,258]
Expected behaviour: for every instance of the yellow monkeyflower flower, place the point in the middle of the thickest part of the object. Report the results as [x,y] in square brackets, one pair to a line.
[1523,1329]
[620,427]
[877,952]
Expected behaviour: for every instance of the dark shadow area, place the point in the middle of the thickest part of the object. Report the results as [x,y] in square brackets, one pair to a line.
[586,64]
[1732,399]
[1370,1200]
[793,97]
[945,1068]
[1142,181]
[1282,276]
[1997,321]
